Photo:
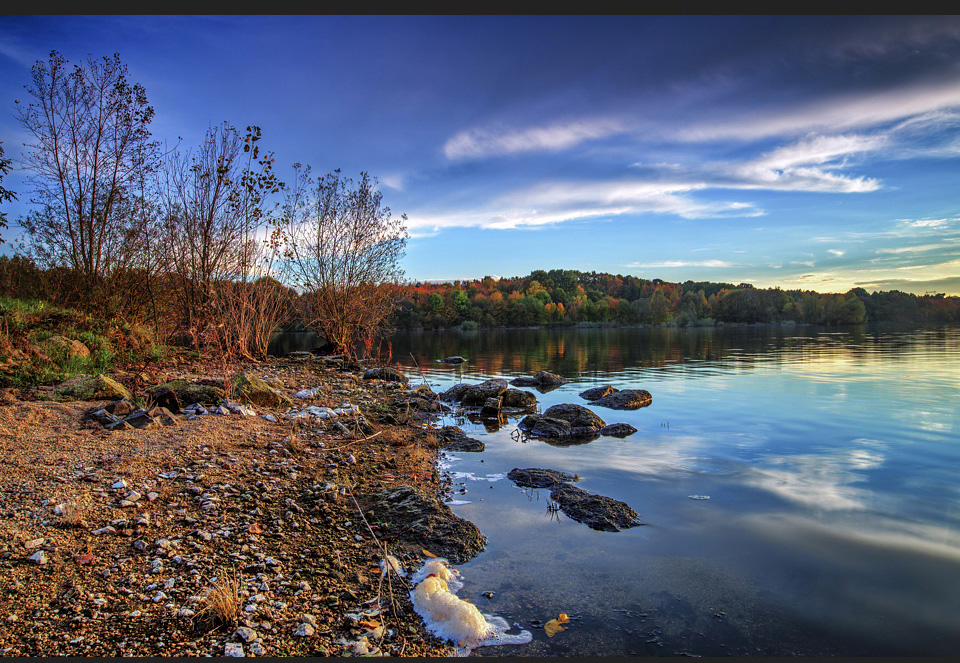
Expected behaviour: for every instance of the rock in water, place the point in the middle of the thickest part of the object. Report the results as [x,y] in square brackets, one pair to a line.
[428,522]
[625,399]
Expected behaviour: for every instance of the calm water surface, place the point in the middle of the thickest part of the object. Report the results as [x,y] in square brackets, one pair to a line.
[831,459]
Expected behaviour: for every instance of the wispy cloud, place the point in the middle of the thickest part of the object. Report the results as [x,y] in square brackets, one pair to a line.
[681,263]
[479,143]
[831,115]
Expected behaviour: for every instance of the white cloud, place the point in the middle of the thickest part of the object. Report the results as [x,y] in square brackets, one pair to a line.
[478,143]
[840,113]
[836,252]
[680,263]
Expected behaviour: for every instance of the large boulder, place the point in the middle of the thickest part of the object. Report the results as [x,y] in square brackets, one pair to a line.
[254,390]
[93,388]
[625,399]
[427,522]
[188,392]
[475,395]
[580,418]
[540,426]
[385,373]
[519,399]
[541,379]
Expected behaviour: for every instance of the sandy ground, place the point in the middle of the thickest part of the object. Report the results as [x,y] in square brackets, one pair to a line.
[119,543]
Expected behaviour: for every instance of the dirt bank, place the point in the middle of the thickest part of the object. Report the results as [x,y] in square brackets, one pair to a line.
[116,543]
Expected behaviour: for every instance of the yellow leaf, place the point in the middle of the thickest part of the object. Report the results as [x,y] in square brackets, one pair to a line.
[427,553]
[553,626]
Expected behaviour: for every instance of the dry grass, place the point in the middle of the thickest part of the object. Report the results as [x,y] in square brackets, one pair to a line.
[222,605]
[73,512]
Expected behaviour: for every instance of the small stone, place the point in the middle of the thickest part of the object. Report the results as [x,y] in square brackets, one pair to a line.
[233,649]
[34,543]
[39,557]
[304,631]
[246,634]
[119,485]
[105,530]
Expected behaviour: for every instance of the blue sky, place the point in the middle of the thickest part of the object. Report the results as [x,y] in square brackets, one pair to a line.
[815,152]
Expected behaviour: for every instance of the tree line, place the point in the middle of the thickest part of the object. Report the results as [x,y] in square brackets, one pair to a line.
[570,297]
[198,241]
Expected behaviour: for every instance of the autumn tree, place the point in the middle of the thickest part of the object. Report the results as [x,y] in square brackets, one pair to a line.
[343,250]
[88,163]
[221,239]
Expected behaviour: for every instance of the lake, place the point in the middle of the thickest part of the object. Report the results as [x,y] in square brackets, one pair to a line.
[830,457]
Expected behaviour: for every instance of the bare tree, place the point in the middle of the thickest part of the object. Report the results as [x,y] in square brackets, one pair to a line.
[5,194]
[343,250]
[89,161]
[217,216]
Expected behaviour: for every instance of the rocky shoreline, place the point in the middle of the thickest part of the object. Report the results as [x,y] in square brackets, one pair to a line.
[256,530]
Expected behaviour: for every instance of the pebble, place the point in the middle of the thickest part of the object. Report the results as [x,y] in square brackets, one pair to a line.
[304,631]
[39,557]
[246,634]
[233,649]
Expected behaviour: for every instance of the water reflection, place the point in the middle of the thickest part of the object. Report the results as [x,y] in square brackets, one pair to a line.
[830,457]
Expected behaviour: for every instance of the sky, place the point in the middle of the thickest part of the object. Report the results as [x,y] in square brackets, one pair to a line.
[811,152]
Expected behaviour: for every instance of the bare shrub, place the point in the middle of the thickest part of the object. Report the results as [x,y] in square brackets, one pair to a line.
[343,251]
[221,606]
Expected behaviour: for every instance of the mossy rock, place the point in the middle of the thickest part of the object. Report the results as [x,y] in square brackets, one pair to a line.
[256,391]
[93,388]
[69,347]
[190,392]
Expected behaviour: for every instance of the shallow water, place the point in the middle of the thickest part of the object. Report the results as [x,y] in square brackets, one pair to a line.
[829,456]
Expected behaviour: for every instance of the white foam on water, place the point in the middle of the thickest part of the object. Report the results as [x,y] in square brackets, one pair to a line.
[451,618]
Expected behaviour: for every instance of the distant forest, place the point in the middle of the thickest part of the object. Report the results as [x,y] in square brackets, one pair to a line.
[570,297]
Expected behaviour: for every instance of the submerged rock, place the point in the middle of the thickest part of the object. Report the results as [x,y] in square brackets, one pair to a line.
[452,438]
[596,393]
[541,379]
[595,511]
[534,477]
[625,399]
[428,522]
[453,360]
[618,430]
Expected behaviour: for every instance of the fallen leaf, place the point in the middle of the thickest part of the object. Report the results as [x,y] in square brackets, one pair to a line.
[553,627]
[369,623]
[427,553]
[86,559]
[255,528]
